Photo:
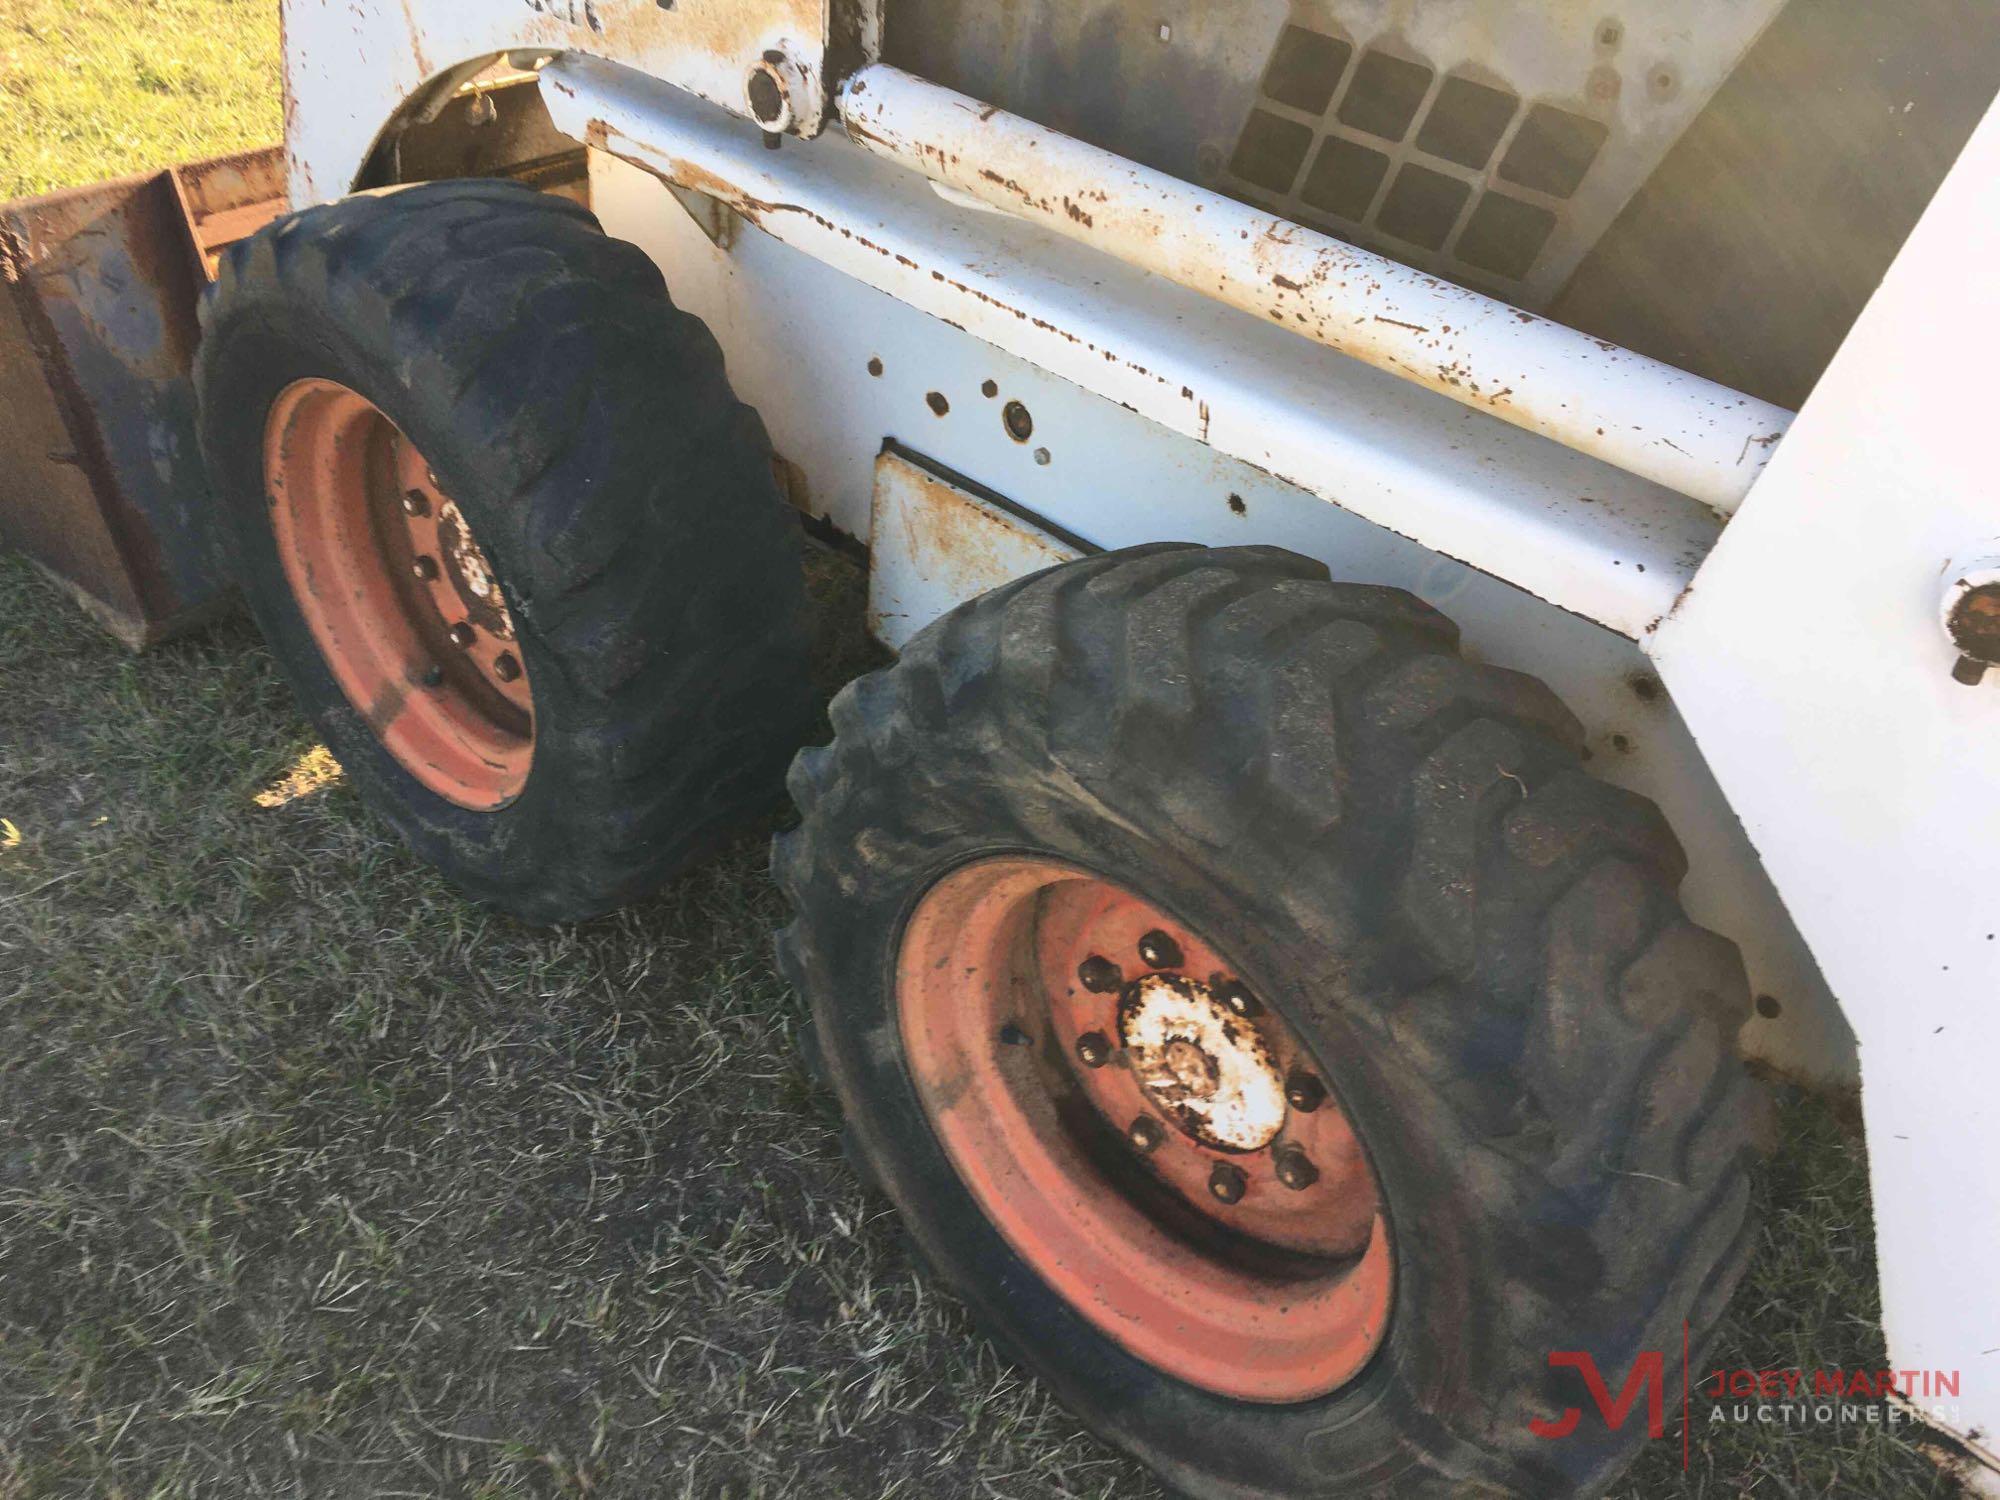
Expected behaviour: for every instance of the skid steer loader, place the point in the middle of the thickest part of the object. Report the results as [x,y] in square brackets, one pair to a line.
[1443,577]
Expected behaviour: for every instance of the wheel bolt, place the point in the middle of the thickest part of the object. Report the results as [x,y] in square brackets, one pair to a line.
[425,568]
[1304,1092]
[1159,951]
[1100,975]
[1093,1049]
[1146,1135]
[1295,1168]
[505,667]
[1227,1182]
[463,635]
[414,503]
[1241,1001]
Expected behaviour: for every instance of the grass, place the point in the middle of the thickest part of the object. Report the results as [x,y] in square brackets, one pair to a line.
[315,1181]
[98,88]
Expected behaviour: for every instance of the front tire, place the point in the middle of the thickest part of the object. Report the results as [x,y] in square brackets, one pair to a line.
[1474,944]
[594,668]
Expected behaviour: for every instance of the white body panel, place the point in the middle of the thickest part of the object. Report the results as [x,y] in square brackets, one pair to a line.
[1568,528]
[350,67]
[1688,434]
[1810,660]
[1115,477]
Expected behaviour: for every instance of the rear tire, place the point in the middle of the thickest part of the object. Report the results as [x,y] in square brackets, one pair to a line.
[1480,945]
[623,496]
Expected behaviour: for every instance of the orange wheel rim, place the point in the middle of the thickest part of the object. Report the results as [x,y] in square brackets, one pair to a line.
[404,606]
[1145,1134]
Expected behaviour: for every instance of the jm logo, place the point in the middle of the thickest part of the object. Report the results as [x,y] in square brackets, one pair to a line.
[1648,1374]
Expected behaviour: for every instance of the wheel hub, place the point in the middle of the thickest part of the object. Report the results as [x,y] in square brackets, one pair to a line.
[1204,1068]
[1156,1145]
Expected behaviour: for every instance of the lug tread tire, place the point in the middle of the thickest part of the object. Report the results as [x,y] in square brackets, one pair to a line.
[1513,966]
[587,428]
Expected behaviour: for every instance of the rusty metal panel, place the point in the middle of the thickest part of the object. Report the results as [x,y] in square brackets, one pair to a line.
[101,479]
[938,541]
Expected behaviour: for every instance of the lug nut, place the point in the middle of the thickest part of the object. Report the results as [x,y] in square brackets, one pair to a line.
[462,634]
[1146,1135]
[1093,1049]
[414,503]
[1226,1182]
[1239,1000]
[1295,1168]
[1159,951]
[426,568]
[1100,975]
[1304,1092]
[505,667]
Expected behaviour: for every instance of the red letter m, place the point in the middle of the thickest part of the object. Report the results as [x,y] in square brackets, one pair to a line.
[1648,1370]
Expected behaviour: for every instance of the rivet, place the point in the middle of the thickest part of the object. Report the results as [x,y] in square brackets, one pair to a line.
[462,635]
[1093,1049]
[505,667]
[1158,950]
[1146,1134]
[1100,975]
[1226,1182]
[425,568]
[414,503]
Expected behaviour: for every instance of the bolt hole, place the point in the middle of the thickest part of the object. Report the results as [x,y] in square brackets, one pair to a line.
[989,389]
[1042,457]
[875,367]
[1646,689]
[1019,422]
[1769,1008]
[1238,506]
[1621,744]
[1610,34]
[936,402]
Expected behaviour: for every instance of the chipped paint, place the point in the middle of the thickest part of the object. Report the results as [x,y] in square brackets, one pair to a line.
[356,72]
[1691,435]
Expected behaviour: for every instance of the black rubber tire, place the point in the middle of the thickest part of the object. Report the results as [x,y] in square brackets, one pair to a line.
[1481,943]
[623,494]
